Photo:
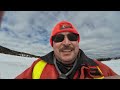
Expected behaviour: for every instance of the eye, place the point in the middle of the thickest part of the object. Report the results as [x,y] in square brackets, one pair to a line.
[58,38]
[72,37]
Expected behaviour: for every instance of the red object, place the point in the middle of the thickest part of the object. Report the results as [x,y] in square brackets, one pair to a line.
[63,26]
[1,15]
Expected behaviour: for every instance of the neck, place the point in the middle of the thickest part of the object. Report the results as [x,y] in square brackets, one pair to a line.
[64,62]
[66,65]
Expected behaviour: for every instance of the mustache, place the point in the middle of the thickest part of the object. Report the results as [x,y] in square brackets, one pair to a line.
[66,47]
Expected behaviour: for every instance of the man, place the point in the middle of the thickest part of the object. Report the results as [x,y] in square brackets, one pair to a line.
[67,60]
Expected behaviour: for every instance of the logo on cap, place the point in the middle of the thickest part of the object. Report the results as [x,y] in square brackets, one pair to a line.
[65,26]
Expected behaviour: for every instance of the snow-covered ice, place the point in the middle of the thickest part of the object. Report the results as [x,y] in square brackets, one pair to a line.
[11,66]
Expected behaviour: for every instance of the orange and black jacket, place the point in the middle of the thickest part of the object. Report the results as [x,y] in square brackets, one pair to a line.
[85,68]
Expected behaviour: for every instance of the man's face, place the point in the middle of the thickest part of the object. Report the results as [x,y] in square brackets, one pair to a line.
[66,50]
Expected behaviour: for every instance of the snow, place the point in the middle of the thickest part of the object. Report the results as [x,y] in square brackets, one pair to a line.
[114,64]
[11,66]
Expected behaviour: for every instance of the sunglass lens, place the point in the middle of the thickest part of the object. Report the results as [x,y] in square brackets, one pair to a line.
[59,38]
[73,37]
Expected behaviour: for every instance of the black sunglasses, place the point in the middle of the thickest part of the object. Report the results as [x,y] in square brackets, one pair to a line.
[60,37]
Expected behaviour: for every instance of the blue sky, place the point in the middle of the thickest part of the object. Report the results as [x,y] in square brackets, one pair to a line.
[29,31]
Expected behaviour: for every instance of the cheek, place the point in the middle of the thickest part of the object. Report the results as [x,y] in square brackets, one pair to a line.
[56,46]
[76,45]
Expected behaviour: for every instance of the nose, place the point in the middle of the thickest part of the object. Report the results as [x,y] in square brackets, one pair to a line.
[66,41]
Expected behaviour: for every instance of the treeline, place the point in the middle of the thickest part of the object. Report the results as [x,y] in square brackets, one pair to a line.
[107,59]
[12,52]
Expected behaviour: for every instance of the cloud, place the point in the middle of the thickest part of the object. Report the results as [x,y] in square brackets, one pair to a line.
[29,31]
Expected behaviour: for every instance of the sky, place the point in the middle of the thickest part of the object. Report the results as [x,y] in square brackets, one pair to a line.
[29,31]
[11,66]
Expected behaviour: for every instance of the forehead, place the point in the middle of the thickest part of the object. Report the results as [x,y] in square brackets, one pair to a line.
[64,33]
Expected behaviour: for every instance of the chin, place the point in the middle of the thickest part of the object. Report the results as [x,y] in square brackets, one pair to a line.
[67,59]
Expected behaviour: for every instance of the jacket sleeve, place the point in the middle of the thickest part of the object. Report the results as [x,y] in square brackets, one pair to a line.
[107,71]
[27,74]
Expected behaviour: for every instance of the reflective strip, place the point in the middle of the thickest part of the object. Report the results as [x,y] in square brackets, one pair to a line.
[38,68]
[101,73]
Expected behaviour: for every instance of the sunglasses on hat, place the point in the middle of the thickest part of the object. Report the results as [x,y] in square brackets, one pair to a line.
[60,37]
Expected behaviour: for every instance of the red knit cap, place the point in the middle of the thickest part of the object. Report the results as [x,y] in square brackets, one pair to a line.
[63,26]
